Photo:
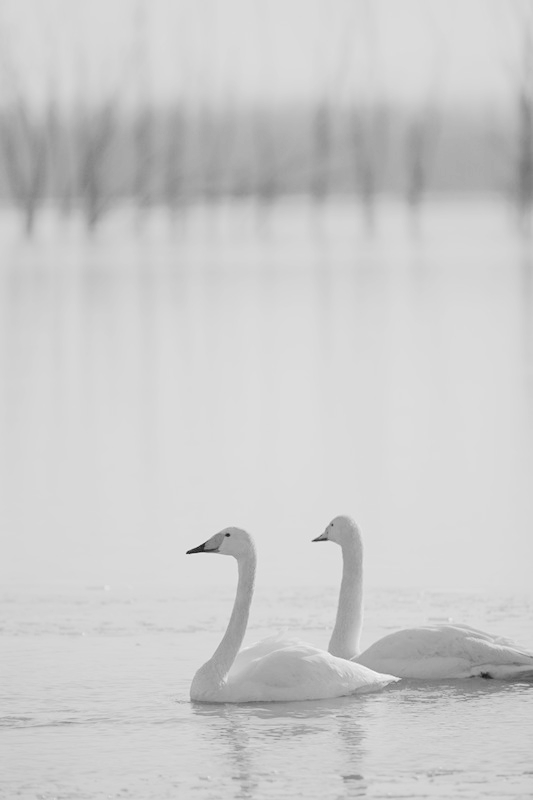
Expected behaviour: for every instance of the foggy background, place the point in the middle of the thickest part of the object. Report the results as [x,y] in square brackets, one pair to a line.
[263,264]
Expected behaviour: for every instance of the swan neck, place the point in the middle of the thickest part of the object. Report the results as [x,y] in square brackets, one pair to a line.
[226,652]
[346,636]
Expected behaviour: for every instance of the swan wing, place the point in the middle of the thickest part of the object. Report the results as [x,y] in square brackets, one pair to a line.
[260,649]
[302,672]
[488,637]
[447,651]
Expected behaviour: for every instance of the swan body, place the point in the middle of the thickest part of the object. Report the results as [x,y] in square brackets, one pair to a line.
[434,652]
[278,668]
[448,651]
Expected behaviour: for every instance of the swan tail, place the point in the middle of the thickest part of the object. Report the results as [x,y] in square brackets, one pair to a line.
[372,680]
[389,680]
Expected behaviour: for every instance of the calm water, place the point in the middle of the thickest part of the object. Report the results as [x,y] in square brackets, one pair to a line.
[157,388]
[94,698]
[269,372]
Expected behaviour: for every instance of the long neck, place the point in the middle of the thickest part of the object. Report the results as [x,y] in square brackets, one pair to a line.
[226,652]
[345,639]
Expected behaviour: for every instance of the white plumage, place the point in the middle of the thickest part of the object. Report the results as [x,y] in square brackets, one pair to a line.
[435,652]
[278,668]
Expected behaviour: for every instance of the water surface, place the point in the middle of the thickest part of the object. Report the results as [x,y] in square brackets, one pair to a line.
[269,370]
[94,699]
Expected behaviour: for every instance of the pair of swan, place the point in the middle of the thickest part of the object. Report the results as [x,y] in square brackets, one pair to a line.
[275,668]
[281,669]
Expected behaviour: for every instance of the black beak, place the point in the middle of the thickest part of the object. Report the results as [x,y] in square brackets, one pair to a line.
[199,549]
[320,538]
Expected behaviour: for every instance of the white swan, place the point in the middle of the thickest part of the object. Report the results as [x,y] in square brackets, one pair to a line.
[275,669]
[427,652]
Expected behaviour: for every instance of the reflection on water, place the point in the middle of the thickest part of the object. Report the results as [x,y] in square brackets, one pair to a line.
[233,733]
[152,393]
[255,732]
[108,713]
[417,729]
[306,709]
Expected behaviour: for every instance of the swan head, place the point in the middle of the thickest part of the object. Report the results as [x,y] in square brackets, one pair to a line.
[227,542]
[341,530]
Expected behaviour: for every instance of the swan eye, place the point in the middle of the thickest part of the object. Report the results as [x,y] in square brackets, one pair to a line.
[228,534]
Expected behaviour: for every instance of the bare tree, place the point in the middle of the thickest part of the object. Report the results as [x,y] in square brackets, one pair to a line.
[265,148]
[60,157]
[174,159]
[211,143]
[518,150]
[368,118]
[421,137]
[424,126]
[524,160]
[143,129]
[524,129]
[96,130]
[321,131]
[23,142]
[144,159]
[368,130]
[334,72]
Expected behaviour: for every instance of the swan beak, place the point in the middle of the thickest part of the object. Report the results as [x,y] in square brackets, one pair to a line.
[200,549]
[322,538]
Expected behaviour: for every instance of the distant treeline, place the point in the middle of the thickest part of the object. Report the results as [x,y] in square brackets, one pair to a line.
[89,160]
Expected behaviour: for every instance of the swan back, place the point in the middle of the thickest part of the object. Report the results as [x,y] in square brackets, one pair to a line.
[448,651]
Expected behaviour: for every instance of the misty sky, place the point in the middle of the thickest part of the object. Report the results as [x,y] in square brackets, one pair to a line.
[241,50]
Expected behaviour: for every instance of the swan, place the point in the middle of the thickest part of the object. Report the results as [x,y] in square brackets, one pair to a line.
[276,668]
[426,652]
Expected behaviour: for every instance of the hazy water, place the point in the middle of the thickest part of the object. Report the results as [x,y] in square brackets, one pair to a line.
[154,389]
[94,698]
